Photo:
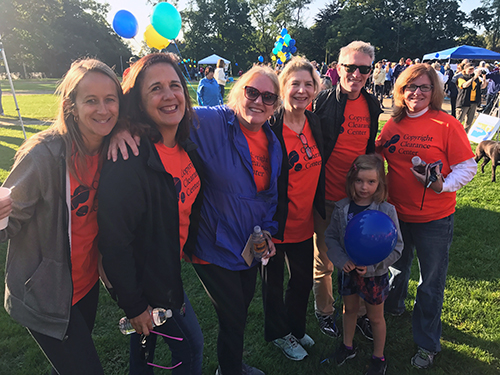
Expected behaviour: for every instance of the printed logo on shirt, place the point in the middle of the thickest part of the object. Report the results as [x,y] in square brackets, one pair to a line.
[178,187]
[190,182]
[79,199]
[357,125]
[260,164]
[390,143]
[410,144]
[293,158]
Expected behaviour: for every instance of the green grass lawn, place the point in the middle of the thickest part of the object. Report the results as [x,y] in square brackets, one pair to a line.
[471,312]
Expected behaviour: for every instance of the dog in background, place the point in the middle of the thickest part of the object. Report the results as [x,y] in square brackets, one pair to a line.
[489,150]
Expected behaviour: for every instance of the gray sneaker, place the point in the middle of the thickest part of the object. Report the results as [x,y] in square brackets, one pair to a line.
[291,347]
[327,325]
[423,359]
[306,341]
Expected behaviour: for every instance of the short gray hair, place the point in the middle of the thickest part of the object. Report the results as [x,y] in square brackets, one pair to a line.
[357,46]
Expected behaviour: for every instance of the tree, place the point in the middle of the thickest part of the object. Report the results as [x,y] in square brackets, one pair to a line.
[488,16]
[49,35]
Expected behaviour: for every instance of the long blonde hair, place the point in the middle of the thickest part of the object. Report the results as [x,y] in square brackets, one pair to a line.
[65,125]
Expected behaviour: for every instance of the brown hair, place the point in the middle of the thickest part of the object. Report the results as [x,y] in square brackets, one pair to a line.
[209,69]
[236,94]
[367,162]
[298,63]
[65,124]
[139,123]
[409,75]
[220,63]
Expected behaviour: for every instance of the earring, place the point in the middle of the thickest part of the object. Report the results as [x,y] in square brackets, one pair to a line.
[76,118]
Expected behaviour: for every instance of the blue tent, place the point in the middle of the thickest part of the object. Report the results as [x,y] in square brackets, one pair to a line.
[463,52]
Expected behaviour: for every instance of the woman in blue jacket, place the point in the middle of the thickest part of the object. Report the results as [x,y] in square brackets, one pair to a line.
[242,161]
[208,90]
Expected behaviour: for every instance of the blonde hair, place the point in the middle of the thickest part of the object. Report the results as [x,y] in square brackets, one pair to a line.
[65,124]
[220,63]
[298,63]
[236,95]
[409,75]
[357,46]
[369,162]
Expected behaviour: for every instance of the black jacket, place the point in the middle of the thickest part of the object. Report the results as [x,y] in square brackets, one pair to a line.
[138,220]
[329,106]
[464,95]
[319,197]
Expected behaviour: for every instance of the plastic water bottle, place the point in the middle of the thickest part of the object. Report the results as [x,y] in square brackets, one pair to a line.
[159,315]
[418,164]
[259,243]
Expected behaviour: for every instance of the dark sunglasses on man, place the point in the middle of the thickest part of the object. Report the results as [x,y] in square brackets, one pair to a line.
[268,98]
[351,68]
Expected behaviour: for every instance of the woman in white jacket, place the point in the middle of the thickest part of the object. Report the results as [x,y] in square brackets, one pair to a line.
[220,77]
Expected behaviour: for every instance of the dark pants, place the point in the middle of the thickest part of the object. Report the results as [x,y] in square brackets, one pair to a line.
[221,87]
[182,324]
[432,241]
[490,100]
[288,316]
[387,88]
[231,293]
[76,354]
[453,102]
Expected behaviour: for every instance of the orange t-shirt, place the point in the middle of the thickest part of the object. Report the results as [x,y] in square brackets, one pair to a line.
[303,176]
[187,183]
[84,229]
[433,136]
[258,145]
[351,143]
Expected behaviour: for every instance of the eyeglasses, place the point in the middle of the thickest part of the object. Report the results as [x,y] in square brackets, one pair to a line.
[144,350]
[351,68]
[303,139]
[423,88]
[268,98]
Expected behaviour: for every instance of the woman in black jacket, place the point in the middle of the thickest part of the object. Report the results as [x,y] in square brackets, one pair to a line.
[148,214]
[301,188]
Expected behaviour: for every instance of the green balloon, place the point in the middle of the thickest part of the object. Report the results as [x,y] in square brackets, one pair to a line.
[166,20]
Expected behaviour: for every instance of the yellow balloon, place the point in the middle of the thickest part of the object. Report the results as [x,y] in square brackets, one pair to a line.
[280,53]
[155,40]
[273,57]
[283,58]
[278,37]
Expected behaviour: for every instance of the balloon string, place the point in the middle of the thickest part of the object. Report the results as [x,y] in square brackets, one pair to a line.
[188,78]
[163,367]
[181,60]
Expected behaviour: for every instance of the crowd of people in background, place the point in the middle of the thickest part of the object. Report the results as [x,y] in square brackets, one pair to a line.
[295,151]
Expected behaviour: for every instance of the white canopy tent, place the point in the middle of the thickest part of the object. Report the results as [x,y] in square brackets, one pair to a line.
[212,59]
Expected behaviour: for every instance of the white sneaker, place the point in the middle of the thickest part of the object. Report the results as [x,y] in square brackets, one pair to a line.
[306,341]
[291,347]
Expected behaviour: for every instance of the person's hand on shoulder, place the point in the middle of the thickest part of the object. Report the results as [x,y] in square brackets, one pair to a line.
[119,142]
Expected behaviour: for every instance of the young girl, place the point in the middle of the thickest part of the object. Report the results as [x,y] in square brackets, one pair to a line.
[366,190]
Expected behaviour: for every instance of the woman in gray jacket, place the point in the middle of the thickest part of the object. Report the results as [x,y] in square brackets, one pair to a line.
[51,278]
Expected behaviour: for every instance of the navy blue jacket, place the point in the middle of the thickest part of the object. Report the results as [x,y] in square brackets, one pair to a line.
[231,206]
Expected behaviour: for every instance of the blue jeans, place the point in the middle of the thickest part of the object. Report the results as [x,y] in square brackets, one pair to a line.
[189,351]
[432,241]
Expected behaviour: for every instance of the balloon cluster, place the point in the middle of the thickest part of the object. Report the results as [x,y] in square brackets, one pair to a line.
[188,62]
[284,47]
[165,25]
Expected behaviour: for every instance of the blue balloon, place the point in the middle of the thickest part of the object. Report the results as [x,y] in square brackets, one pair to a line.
[284,32]
[370,237]
[261,59]
[166,20]
[292,42]
[293,50]
[236,65]
[437,55]
[125,24]
[279,62]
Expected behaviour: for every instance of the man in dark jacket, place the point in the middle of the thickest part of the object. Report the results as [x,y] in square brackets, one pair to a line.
[469,94]
[349,123]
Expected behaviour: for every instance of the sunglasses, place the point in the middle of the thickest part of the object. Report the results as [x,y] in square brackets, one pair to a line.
[423,88]
[351,68]
[303,139]
[268,98]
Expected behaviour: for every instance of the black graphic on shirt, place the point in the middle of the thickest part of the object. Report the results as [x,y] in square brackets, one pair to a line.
[79,200]
[293,157]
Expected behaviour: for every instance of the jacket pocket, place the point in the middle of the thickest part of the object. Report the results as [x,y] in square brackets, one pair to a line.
[48,291]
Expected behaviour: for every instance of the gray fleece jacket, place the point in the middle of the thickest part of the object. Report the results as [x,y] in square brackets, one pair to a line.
[334,237]
[38,285]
